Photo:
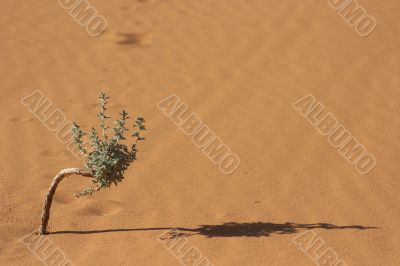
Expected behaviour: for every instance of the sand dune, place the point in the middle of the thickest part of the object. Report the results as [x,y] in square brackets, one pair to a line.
[239,65]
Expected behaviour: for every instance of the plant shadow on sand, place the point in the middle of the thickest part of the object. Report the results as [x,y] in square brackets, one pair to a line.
[231,229]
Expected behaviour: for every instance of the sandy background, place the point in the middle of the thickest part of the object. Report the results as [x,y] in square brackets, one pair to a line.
[239,65]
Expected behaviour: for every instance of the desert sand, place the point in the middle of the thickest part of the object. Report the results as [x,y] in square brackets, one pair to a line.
[240,66]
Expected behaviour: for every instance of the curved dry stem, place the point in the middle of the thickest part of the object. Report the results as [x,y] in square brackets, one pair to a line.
[49,197]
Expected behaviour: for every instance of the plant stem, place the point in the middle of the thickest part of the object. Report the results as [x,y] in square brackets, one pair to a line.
[49,197]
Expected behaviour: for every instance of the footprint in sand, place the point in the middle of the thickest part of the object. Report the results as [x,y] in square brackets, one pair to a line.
[139,39]
[100,208]
[63,198]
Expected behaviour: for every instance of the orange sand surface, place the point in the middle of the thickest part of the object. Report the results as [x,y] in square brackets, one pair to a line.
[239,65]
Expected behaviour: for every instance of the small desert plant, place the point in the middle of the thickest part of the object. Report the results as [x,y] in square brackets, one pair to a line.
[106,159]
